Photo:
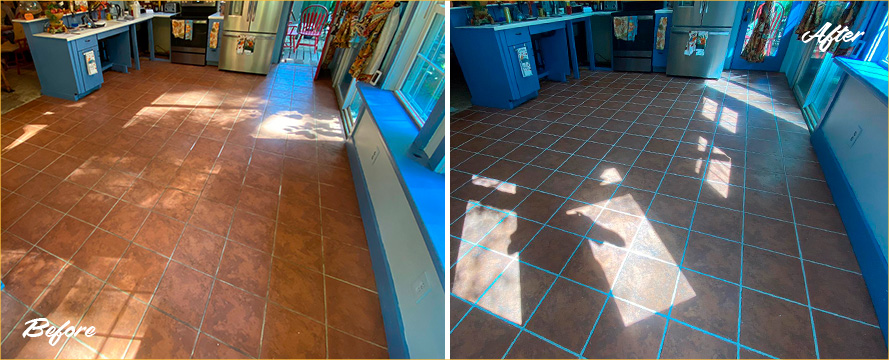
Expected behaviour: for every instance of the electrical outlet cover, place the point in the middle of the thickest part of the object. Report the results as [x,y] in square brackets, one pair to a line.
[421,286]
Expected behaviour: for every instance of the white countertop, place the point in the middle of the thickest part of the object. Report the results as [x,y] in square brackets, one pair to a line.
[539,21]
[109,25]
[216,16]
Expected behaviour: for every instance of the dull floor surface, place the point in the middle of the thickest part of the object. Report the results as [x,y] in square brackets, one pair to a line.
[629,215]
[186,212]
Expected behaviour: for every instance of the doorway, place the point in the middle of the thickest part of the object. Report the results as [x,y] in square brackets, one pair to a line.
[778,38]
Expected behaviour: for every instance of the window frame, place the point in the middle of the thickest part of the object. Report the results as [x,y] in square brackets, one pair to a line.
[408,55]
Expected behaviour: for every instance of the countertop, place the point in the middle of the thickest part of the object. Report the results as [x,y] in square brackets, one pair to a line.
[870,74]
[539,21]
[109,25]
[216,16]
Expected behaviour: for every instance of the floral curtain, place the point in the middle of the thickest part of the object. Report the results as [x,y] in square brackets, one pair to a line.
[811,19]
[847,19]
[370,27]
[342,27]
[755,49]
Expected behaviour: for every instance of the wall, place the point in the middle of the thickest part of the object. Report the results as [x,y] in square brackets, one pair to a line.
[855,170]
[410,286]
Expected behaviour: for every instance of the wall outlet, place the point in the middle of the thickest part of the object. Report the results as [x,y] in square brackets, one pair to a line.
[375,155]
[855,135]
[421,286]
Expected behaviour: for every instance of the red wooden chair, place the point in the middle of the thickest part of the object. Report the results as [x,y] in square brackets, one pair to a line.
[312,22]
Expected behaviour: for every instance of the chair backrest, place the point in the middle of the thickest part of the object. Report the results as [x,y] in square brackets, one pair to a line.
[313,18]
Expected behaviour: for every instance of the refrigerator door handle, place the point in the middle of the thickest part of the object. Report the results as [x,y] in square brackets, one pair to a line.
[253,10]
[707,10]
[701,7]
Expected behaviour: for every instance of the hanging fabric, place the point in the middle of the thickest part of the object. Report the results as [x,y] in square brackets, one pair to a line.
[371,26]
[755,49]
[383,45]
[661,37]
[847,19]
[811,19]
[342,28]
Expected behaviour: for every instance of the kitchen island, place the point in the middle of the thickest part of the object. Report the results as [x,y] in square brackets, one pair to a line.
[500,61]
[70,65]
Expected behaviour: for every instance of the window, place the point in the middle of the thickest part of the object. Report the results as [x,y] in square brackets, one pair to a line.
[879,49]
[424,81]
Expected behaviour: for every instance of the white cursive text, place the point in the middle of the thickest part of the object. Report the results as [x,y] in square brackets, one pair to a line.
[36,328]
[825,39]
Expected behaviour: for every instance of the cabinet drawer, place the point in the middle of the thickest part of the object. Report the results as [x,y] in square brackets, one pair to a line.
[87,42]
[517,36]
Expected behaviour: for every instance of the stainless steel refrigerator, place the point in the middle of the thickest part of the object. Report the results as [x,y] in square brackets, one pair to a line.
[711,21]
[248,35]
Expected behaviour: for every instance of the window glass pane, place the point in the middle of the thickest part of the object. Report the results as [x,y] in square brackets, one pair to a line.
[423,86]
[424,83]
[433,44]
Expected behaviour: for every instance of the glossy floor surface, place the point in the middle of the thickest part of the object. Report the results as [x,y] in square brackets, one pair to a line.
[629,215]
[186,212]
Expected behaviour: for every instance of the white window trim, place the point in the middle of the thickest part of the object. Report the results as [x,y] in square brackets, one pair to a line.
[415,34]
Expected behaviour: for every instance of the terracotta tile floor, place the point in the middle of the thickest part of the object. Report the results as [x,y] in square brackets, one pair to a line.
[633,215]
[186,212]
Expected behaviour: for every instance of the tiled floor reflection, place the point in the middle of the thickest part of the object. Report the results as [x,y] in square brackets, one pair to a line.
[186,212]
[630,215]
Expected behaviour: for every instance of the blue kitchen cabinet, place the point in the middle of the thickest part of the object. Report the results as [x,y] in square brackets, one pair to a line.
[659,57]
[491,66]
[489,57]
[213,54]
[524,84]
[85,81]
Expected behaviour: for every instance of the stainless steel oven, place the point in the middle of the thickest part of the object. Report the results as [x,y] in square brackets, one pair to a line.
[193,51]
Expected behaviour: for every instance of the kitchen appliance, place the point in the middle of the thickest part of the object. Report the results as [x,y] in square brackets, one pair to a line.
[194,51]
[248,36]
[711,21]
[172,7]
[635,55]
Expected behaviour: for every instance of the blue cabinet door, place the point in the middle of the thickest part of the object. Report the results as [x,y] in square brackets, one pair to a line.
[86,81]
[526,83]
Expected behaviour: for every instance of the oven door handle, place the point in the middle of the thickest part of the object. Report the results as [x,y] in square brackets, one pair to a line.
[645,17]
[253,35]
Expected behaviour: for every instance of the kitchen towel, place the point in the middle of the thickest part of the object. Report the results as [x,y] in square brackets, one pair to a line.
[178,28]
[625,28]
[214,35]
[632,23]
[620,27]
[90,58]
[661,38]
[189,27]
[697,43]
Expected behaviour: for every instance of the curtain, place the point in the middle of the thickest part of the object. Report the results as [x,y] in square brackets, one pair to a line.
[342,28]
[847,19]
[371,27]
[755,49]
[811,19]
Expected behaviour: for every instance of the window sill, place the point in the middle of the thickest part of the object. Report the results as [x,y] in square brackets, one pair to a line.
[868,73]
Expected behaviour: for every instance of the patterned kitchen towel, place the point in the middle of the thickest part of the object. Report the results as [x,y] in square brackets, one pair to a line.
[632,21]
[701,42]
[690,44]
[661,39]
[189,27]
[214,35]
[620,27]
[178,28]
